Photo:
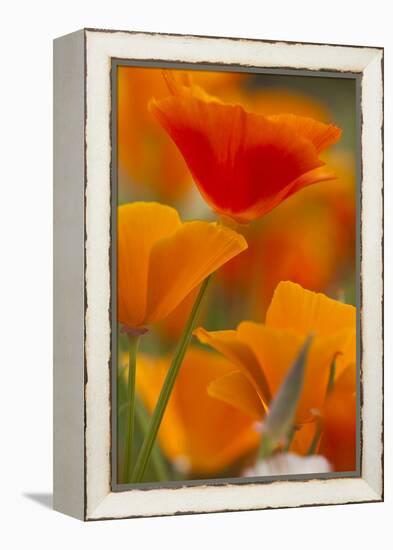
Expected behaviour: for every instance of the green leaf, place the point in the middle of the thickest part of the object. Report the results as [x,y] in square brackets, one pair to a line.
[279,420]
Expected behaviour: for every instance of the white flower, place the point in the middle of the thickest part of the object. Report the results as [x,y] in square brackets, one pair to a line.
[182,465]
[289,463]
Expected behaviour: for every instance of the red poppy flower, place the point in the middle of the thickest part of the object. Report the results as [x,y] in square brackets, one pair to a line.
[243,163]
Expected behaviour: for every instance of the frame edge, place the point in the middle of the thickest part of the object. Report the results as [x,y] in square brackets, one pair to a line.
[68,274]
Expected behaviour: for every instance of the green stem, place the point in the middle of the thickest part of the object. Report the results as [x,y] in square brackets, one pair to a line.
[315,440]
[266,447]
[157,460]
[332,376]
[166,390]
[133,342]
[290,437]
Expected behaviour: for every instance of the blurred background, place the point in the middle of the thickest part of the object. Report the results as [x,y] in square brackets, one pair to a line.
[309,239]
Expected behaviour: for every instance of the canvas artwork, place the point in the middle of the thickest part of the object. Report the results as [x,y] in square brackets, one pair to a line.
[235,270]
[218,274]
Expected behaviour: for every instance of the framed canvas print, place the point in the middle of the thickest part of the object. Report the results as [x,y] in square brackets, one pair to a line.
[218,340]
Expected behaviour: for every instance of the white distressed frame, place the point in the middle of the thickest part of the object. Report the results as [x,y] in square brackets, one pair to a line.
[98,500]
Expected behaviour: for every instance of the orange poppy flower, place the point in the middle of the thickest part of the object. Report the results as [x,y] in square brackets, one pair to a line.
[198,433]
[243,163]
[161,259]
[338,443]
[263,353]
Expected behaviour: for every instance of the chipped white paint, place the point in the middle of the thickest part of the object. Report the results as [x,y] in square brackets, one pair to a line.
[101,502]
[371,270]
[233,497]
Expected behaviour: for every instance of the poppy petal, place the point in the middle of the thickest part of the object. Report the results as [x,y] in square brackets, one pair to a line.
[320,134]
[183,260]
[276,350]
[338,441]
[236,390]
[348,355]
[317,175]
[322,354]
[228,343]
[303,438]
[293,307]
[140,225]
